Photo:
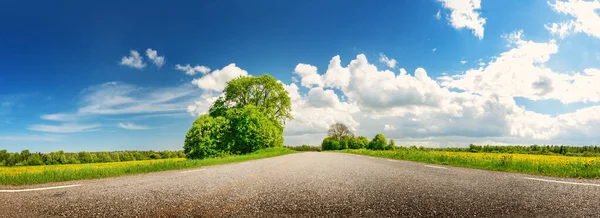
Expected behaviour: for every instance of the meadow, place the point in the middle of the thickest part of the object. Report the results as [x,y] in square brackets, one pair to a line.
[24,175]
[547,165]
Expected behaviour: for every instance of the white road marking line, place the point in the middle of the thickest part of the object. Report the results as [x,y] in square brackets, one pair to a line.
[430,166]
[40,189]
[562,182]
[191,171]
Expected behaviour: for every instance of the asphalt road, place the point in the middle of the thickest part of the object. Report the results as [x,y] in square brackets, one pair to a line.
[308,185]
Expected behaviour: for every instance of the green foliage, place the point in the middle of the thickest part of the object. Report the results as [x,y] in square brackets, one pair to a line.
[263,92]
[391,145]
[26,158]
[355,143]
[3,157]
[85,157]
[378,143]
[34,160]
[304,148]
[250,130]
[364,141]
[330,143]
[249,116]
[207,137]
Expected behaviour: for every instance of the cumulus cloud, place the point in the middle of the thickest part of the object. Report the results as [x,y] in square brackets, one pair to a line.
[131,126]
[585,14]
[189,70]
[134,60]
[438,15]
[216,80]
[391,63]
[159,61]
[64,128]
[309,75]
[505,75]
[463,62]
[465,14]
[423,109]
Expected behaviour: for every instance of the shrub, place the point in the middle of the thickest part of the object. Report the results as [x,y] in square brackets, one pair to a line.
[378,143]
[206,138]
[251,129]
[391,146]
[330,143]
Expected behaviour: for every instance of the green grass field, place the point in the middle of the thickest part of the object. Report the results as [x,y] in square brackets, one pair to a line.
[25,175]
[547,165]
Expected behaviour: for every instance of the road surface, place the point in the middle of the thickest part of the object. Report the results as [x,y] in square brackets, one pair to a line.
[310,184]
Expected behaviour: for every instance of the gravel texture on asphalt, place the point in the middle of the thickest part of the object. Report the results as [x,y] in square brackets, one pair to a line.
[311,184]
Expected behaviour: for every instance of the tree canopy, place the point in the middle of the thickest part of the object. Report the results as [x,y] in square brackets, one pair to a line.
[264,92]
[249,116]
[338,131]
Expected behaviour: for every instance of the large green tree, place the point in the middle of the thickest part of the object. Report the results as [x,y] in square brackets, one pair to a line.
[250,115]
[264,92]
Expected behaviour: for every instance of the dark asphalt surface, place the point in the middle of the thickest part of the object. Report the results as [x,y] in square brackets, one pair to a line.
[311,185]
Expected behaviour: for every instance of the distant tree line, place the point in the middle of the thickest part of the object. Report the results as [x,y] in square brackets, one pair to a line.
[340,138]
[27,158]
[304,148]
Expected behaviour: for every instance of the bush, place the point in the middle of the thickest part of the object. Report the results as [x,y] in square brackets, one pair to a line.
[207,137]
[251,129]
[391,146]
[330,143]
[378,143]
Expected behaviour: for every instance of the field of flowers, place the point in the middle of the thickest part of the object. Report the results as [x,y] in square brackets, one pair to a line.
[549,165]
[21,175]
[46,168]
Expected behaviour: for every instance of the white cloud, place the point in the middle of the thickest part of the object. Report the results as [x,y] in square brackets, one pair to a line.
[64,128]
[423,111]
[216,80]
[438,15]
[586,18]
[159,61]
[134,60]
[115,98]
[434,49]
[309,75]
[464,14]
[119,98]
[131,126]
[58,117]
[189,70]
[391,63]
[505,76]
[31,137]
[463,62]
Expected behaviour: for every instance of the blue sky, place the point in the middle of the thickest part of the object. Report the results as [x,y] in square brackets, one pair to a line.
[64,85]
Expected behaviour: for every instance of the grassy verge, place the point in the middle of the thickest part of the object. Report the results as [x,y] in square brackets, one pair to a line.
[57,173]
[560,166]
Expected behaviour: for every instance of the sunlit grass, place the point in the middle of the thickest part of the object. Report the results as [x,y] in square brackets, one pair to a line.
[55,173]
[549,165]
